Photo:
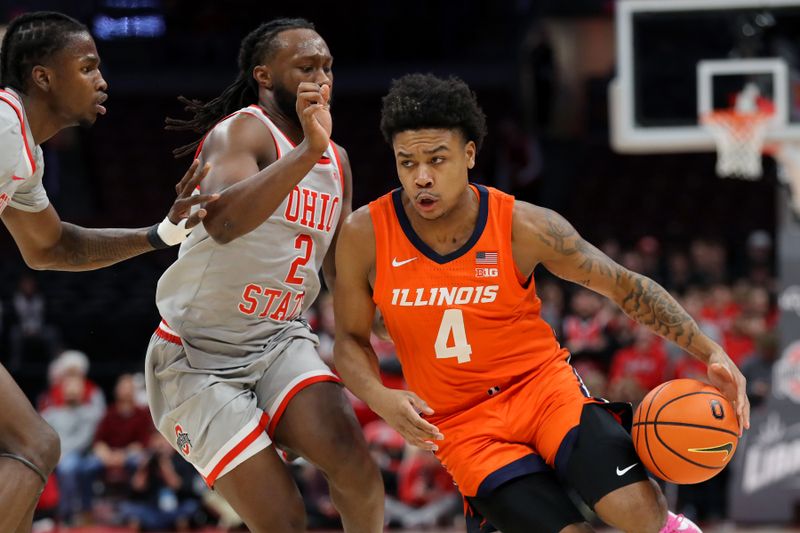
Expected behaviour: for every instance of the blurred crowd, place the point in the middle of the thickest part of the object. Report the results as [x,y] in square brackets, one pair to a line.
[115,469]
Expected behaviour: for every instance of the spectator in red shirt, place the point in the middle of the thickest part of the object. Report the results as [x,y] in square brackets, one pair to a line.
[637,369]
[121,437]
[755,319]
[584,329]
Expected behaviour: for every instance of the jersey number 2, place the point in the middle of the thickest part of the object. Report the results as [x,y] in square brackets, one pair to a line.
[302,242]
[453,324]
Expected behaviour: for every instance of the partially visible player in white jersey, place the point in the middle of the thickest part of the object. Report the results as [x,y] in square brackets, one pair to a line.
[50,80]
[232,370]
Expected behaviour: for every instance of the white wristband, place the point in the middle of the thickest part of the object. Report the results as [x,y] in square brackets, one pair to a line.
[173,234]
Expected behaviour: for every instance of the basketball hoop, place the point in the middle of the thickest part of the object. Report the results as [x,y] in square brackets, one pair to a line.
[740,139]
[787,155]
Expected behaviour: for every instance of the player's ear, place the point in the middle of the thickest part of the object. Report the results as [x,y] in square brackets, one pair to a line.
[263,76]
[41,77]
[470,150]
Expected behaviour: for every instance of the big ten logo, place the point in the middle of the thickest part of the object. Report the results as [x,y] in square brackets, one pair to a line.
[786,373]
[486,272]
[789,299]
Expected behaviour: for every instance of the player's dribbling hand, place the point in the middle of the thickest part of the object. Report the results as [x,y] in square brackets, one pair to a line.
[315,114]
[182,207]
[725,375]
[401,410]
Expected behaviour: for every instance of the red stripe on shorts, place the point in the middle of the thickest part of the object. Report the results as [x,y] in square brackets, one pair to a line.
[292,393]
[168,336]
[236,450]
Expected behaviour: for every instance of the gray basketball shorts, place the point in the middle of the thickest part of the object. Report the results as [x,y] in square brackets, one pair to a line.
[217,419]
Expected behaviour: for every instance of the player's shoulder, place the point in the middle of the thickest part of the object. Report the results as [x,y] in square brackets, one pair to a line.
[526,213]
[243,131]
[10,114]
[356,241]
[243,122]
[358,224]
[11,134]
[530,222]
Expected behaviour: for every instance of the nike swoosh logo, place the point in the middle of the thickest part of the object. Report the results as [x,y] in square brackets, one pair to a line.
[625,470]
[726,448]
[396,263]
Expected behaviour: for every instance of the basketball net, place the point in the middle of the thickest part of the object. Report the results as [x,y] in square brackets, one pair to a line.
[739,133]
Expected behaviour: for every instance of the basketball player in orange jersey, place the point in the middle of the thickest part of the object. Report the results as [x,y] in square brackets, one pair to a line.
[232,372]
[51,80]
[450,266]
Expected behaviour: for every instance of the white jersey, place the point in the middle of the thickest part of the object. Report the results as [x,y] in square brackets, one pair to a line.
[238,299]
[21,161]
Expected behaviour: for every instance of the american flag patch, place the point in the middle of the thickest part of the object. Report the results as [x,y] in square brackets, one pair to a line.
[485,258]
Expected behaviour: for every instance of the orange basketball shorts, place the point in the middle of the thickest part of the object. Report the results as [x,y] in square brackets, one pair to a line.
[514,432]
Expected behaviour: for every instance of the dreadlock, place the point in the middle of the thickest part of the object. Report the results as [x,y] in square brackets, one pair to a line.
[30,40]
[258,46]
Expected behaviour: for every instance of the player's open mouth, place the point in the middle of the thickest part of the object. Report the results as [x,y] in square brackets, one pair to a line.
[426,202]
[99,104]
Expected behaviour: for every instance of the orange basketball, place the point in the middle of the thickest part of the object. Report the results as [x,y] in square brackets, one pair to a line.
[685,431]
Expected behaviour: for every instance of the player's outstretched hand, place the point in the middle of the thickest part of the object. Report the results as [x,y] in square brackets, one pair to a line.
[401,410]
[186,199]
[314,111]
[725,375]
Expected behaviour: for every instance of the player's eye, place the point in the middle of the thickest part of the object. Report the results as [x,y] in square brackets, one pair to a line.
[437,159]
[307,69]
[406,163]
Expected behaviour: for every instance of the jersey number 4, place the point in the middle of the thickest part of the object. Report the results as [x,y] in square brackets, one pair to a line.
[452,326]
[305,243]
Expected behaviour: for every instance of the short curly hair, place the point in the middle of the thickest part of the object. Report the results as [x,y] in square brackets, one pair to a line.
[420,101]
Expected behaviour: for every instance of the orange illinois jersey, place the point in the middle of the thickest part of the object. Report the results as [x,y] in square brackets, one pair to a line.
[466,325]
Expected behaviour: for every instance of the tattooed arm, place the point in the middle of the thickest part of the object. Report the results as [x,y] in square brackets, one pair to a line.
[48,243]
[542,236]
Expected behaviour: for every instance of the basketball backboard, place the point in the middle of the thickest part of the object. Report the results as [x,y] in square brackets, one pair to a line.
[679,59]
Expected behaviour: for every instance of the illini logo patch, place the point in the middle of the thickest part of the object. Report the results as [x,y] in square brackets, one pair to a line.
[182,440]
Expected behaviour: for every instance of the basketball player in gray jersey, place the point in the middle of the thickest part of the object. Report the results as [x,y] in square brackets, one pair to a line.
[50,80]
[232,370]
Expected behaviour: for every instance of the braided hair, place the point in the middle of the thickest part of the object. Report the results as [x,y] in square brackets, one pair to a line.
[31,39]
[258,46]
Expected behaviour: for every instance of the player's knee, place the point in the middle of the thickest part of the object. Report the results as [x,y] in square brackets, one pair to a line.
[636,508]
[290,519]
[346,450]
[37,443]
[370,481]
[45,448]
[649,517]
[349,460]
[659,507]
[649,512]
[353,461]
